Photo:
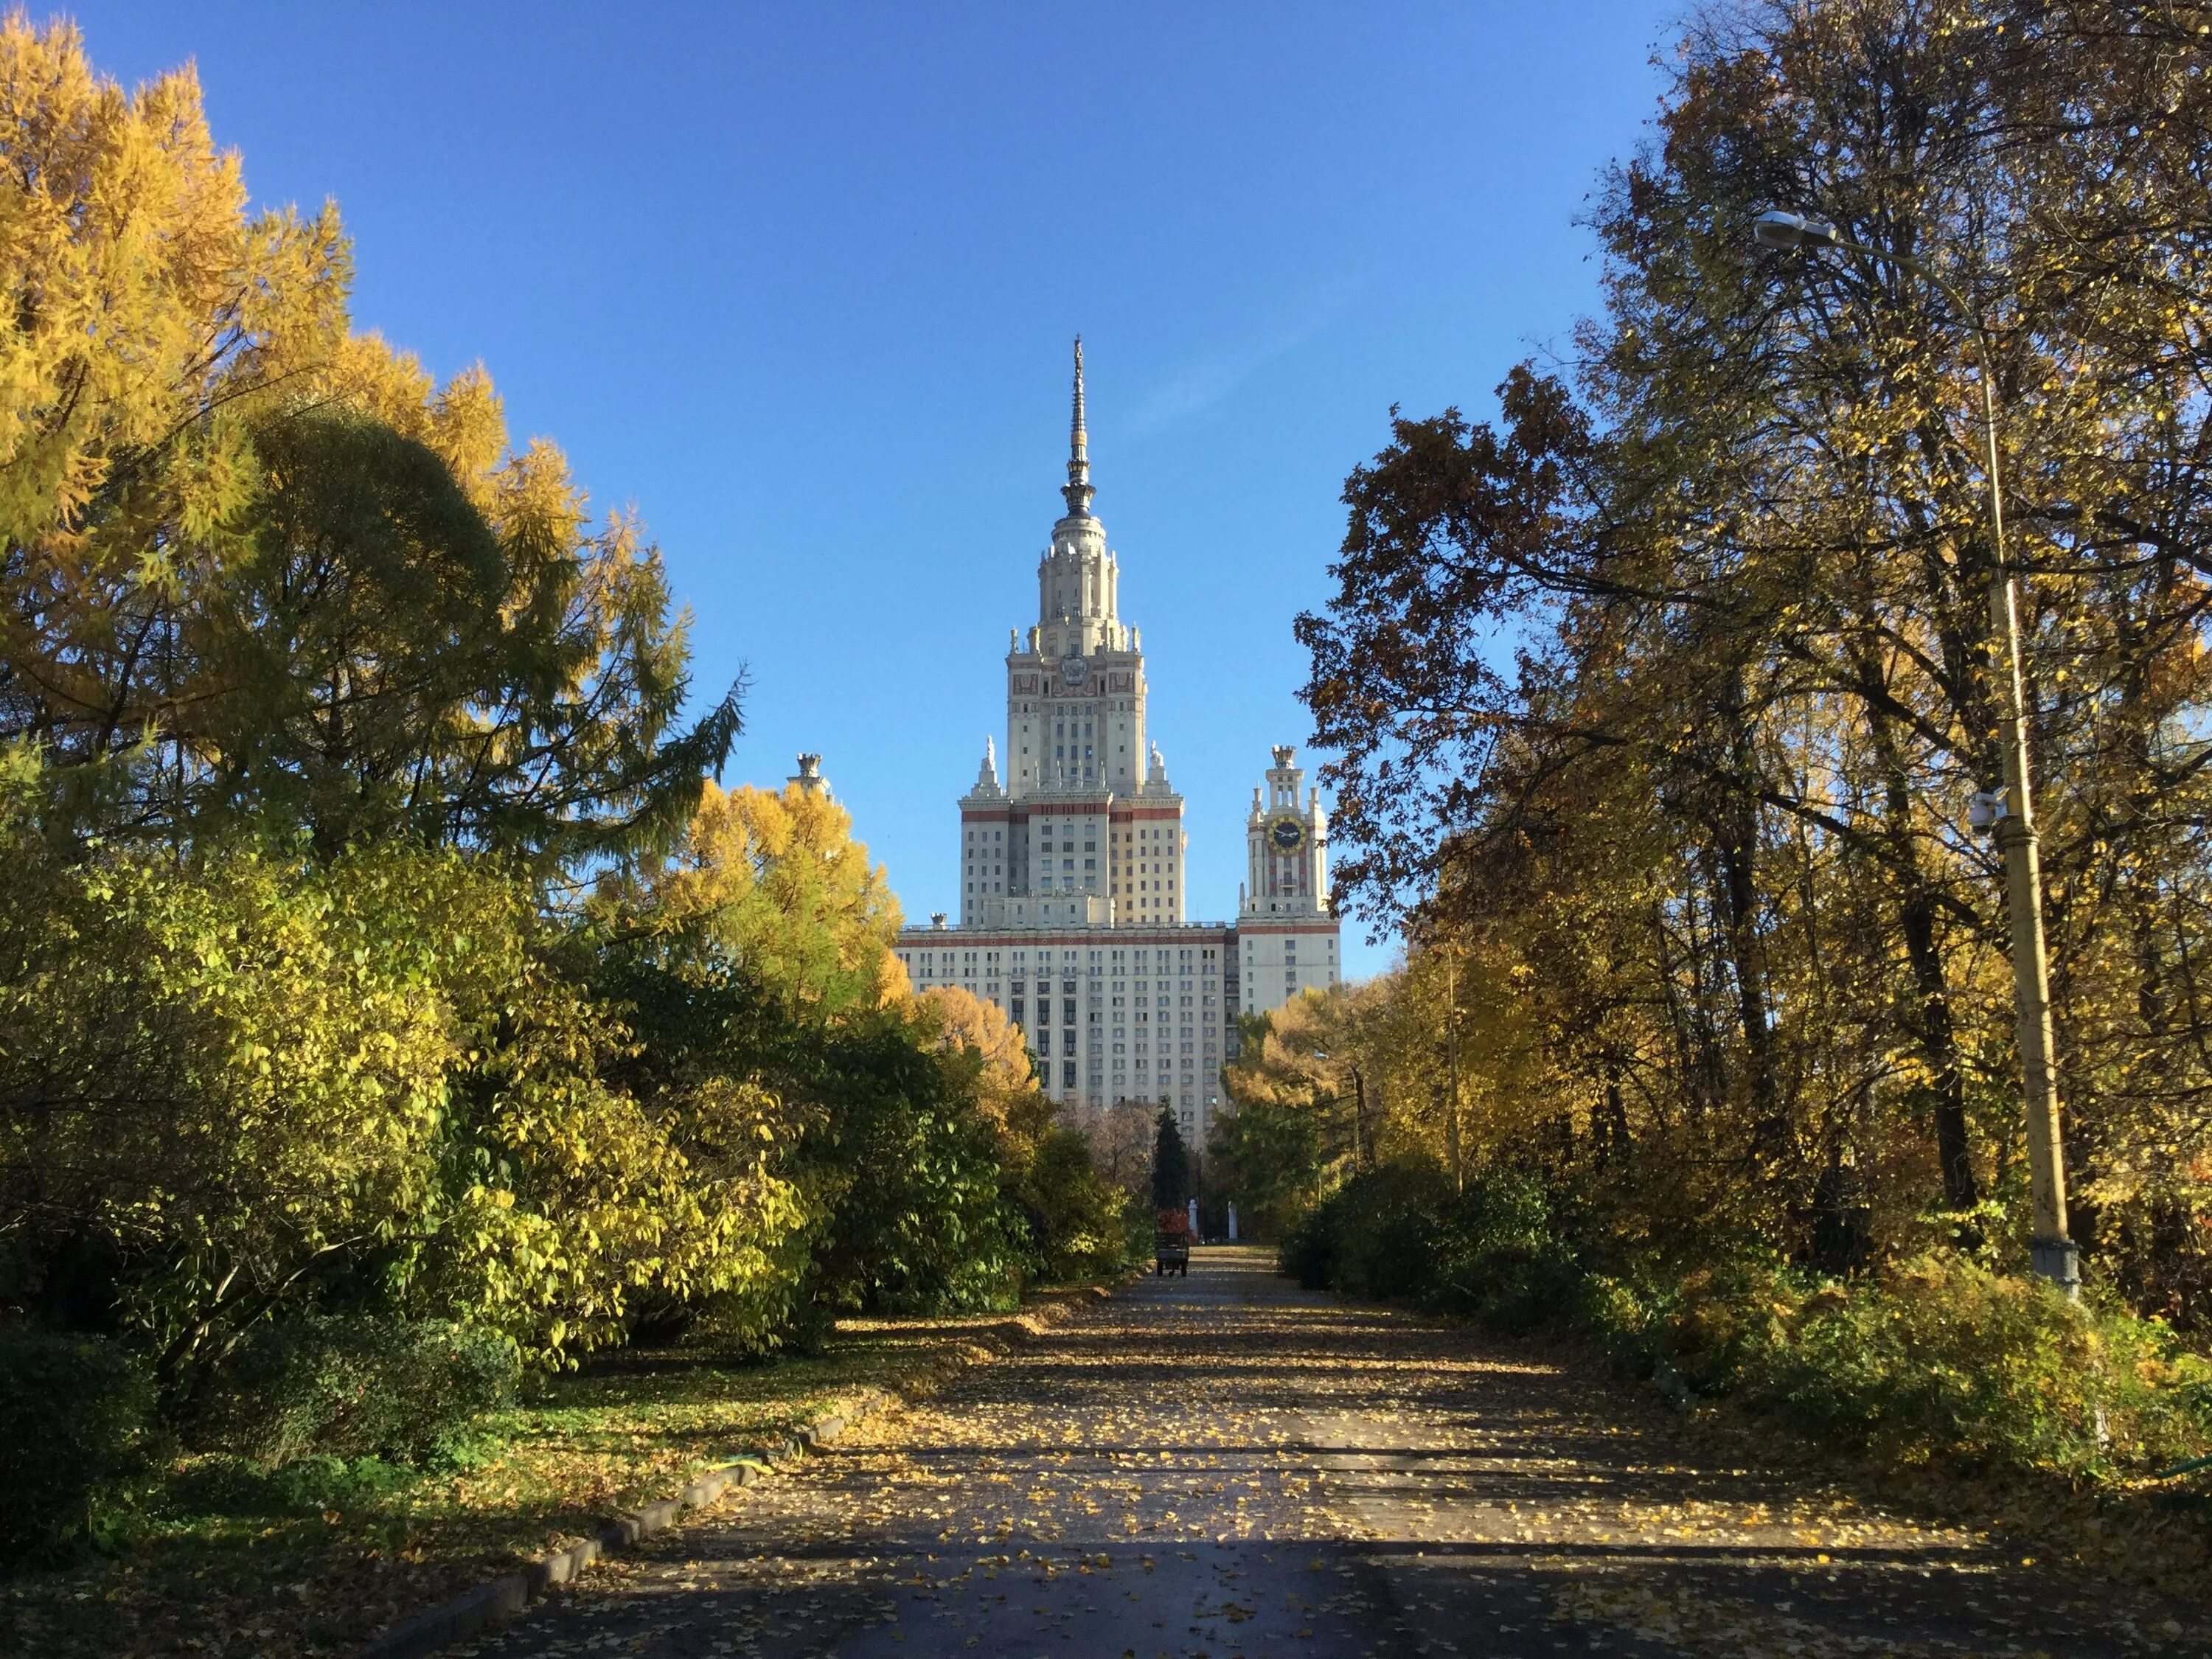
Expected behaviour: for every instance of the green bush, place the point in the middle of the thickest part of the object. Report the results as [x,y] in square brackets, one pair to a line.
[1710,1324]
[76,1434]
[1308,1250]
[1944,1360]
[905,1172]
[355,1388]
[1495,1251]
[1378,1235]
[1081,1225]
[1503,1257]
[223,1484]
[1938,1358]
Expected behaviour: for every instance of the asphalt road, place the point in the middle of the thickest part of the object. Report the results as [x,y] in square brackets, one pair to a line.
[1226,1465]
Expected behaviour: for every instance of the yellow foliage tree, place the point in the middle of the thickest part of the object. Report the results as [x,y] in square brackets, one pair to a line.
[966,1018]
[1317,1054]
[261,567]
[1008,1082]
[150,316]
[777,878]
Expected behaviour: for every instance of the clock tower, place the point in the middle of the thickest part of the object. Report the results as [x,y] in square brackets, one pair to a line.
[1285,933]
[1287,841]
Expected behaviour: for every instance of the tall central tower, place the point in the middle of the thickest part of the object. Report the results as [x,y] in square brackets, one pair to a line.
[1073,899]
[1086,829]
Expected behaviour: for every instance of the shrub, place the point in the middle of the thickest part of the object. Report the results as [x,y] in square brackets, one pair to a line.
[1495,1251]
[1713,1322]
[1943,1358]
[224,1485]
[1391,1247]
[1081,1225]
[355,1388]
[1939,1359]
[1502,1258]
[1375,1235]
[74,1434]
[1308,1250]
[905,1172]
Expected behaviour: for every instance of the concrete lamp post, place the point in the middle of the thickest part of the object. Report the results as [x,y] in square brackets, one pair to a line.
[2054,1255]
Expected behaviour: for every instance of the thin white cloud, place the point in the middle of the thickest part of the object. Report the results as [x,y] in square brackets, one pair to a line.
[1206,379]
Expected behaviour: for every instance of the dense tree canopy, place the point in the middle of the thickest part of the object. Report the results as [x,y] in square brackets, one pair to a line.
[1661,696]
[376,946]
[253,564]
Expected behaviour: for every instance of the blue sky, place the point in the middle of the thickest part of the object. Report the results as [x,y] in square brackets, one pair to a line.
[797,281]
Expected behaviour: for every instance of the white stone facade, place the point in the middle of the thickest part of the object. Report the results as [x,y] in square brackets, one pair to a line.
[1287,938]
[1073,895]
[1111,1014]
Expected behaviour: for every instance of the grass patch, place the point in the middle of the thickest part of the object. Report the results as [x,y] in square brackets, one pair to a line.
[311,1558]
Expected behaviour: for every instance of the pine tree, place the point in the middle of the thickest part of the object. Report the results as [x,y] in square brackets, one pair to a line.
[1170,1164]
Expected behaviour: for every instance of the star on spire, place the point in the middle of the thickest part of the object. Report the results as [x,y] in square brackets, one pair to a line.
[1078,488]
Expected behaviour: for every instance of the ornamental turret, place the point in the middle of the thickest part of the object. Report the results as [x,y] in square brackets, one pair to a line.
[1286,840]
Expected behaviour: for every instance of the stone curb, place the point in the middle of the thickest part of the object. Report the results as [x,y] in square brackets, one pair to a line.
[475,1610]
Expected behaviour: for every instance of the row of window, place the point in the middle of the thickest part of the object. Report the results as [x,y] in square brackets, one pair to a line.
[1118,959]
[1016,1003]
[1118,983]
[1068,1044]
[987,836]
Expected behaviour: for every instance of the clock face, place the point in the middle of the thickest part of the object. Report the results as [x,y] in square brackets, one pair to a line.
[1287,834]
[1075,671]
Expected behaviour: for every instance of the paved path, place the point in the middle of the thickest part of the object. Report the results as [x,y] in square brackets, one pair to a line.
[1228,1466]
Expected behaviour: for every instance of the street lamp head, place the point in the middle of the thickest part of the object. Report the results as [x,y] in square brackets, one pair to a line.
[1775,228]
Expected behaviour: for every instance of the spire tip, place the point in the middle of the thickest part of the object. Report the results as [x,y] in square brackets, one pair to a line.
[1078,487]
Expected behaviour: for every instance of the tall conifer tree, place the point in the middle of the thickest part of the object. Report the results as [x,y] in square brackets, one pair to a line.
[1171,1164]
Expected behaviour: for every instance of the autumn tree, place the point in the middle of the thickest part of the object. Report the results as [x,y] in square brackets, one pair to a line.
[1661,693]
[1121,1135]
[1312,1053]
[777,879]
[255,567]
[1009,1082]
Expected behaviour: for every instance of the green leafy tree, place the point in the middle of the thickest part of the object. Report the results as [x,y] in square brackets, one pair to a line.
[904,1164]
[1079,1222]
[319,702]
[1271,1161]
[385,650]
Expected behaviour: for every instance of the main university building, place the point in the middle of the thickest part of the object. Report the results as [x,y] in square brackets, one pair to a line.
[1071,890]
